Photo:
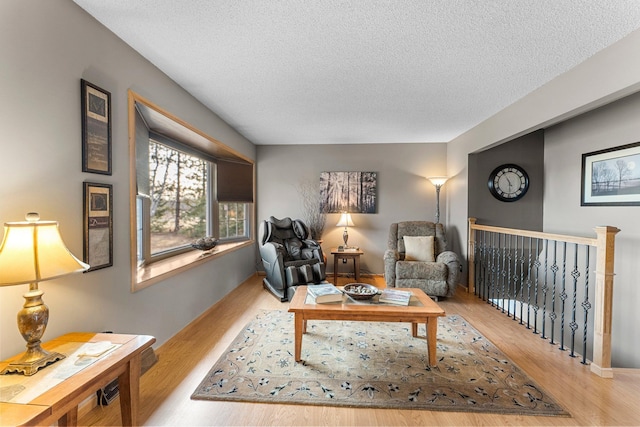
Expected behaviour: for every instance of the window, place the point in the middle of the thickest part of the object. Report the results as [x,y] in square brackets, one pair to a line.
[232,222]
[185,185]
[178,185]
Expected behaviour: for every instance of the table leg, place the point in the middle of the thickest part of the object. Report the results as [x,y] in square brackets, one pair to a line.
[432,332]
[70,418]
[356,267]
[414,329]
[335,270]
[299,326]
[129,389]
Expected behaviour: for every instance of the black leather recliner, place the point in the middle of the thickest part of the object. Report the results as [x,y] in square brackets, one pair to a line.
[289,256]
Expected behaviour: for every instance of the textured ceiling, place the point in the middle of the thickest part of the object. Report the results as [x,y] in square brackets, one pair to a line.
[363,71]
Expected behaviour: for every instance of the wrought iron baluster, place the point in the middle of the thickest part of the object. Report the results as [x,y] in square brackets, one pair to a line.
[506,297]
[484,266]
[513,285]
[545,288]
[563,293]
[537,264]
[477,263]
[494,272]
[586,306]
[575,273]
[521,299]
[529,265]
[554,269]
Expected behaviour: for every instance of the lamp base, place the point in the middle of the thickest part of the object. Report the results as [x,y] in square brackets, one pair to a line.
[32,321]
[34,359]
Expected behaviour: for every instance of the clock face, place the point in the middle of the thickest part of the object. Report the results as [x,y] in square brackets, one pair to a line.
[508,183]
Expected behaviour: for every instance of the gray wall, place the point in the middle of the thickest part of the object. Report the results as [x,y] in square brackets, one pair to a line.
[527,213]
[47,47]
[403,191]
[610,126]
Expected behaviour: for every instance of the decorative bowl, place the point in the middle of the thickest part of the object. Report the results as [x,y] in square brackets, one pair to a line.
[205,243]
[360,290]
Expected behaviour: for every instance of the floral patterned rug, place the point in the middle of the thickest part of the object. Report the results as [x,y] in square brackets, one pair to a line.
[370,364]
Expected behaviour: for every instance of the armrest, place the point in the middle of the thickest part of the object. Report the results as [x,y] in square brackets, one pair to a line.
[390,258]
[452,261]
[450,258]
[270,251]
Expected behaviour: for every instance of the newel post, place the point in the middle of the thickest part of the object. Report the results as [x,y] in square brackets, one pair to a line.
[601,364]
[471,256]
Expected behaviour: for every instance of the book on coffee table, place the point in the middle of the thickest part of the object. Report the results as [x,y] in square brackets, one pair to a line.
[394,296]
[324,292]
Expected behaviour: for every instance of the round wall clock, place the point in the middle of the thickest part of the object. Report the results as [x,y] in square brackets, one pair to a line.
[508,183]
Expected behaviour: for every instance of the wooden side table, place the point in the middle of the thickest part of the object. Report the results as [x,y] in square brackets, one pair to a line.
[51,395]
[353,254]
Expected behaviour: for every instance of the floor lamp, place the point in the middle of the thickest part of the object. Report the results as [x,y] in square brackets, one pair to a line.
[438,182]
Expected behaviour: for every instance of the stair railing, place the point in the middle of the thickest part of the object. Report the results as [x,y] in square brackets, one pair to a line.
[524,274]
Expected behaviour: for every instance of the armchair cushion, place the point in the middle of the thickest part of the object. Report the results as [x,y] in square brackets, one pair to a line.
[419,248]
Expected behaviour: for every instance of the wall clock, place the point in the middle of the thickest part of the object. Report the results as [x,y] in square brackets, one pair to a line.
[508,182]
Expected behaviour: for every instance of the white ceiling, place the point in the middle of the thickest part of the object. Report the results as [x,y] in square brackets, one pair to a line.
[363,71]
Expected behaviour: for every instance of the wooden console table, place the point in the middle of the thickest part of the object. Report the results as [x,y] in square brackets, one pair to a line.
[50,399]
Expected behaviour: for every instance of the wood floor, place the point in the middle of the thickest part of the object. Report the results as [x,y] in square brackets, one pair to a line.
[185,359]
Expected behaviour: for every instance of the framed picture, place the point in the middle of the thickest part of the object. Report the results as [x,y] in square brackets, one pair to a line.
[353,192]
[96,129]
[98,225]
[611,177]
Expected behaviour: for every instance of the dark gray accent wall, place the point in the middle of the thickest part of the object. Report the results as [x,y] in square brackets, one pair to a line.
[526,213]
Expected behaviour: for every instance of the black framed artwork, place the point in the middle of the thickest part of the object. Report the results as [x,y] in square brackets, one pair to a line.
[96,129]
[611,177]
[98,225]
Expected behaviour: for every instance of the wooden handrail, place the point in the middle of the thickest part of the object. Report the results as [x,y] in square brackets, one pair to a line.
[604,242]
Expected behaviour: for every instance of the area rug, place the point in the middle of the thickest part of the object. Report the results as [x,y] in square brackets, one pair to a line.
[375,365]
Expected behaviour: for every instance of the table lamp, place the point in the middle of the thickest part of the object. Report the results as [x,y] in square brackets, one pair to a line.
[345,221]
[438,182]
[31,252]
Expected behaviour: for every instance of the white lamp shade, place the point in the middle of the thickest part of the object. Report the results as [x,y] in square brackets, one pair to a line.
[438,181]
[345,220]
[33,251]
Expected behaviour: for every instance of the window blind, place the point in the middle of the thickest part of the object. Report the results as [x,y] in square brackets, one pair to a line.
[234,182]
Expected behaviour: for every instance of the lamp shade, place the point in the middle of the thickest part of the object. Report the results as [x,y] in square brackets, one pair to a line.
[345,220]
[33,251]
[438,181]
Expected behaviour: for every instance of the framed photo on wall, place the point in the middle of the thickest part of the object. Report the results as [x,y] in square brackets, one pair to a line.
[611,177]
[96,129]
[98,225]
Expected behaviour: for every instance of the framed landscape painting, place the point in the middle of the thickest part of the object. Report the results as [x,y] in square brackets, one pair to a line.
[611,177]
[353,192]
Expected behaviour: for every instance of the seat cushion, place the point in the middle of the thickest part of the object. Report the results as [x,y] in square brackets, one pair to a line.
[419,248]
[421,270]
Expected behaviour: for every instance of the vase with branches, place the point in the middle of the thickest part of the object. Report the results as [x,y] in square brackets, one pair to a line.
[314,215]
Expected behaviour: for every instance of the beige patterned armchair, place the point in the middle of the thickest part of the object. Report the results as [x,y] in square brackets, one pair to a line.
[416,257]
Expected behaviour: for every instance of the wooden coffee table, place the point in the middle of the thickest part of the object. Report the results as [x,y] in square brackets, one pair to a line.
[422,309]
